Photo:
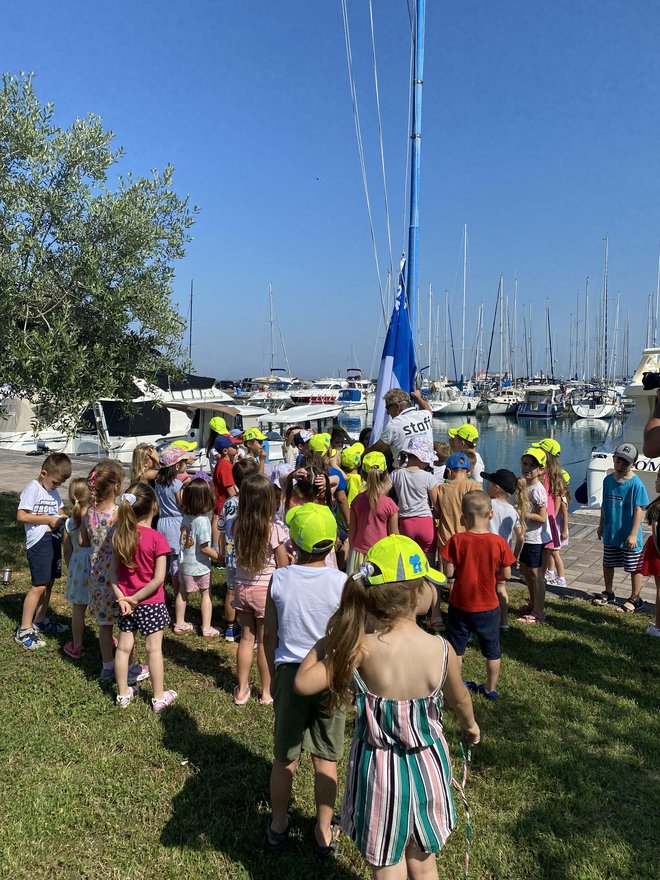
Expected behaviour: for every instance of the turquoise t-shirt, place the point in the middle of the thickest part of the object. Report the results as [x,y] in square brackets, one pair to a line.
[619,503]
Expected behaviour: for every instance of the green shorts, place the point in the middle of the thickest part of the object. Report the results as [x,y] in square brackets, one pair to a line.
[303,722]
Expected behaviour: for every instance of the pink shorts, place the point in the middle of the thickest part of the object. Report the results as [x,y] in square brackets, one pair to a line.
[420,529]
[193,583]
[250,598]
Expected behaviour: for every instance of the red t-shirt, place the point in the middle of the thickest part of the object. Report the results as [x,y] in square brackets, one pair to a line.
[370,527]
[150,546]
[223,479]
[476,558]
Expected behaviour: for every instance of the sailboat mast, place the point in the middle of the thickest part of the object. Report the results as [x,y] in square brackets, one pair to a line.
[616,339]
[430,325]
[415,166]
[657,296]
[605,311]
[272,339]
[586,330]
[190,323]
[464,297]
[515,330]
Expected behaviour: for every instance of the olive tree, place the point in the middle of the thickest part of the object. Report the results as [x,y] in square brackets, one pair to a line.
[86,263]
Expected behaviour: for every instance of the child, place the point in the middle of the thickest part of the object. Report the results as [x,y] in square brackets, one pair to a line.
[561,497]
[278,477]
[533,510]
[373,515]
[40,511]
[253,440]
[450,496]
[442,453]
[245,467]
[651,557]
[259,548]
[553,485]
[77,558]
[351,458]
[301,599]
[144,464]
[217,428]
[169,484]
[397,801]
[472,458]
[196,553]
[500,486]
[479,561]
[417,491]
[137,575]
[620,527]
[223,479]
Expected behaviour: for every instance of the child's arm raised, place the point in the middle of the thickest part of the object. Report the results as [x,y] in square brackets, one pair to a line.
[458,697]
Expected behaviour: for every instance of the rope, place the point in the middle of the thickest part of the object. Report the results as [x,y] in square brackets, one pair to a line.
[358,135]
[466,754]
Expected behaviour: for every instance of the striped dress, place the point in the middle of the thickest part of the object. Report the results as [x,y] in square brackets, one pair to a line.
[398,786]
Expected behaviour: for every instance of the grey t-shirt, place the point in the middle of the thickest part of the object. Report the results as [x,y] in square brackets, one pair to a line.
[505,519]
[412,488]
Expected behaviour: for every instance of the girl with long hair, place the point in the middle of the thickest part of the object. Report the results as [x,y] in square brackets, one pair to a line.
[373,514]
[77,551]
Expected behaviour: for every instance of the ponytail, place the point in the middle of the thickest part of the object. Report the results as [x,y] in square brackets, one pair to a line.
[522,497]
[134,506]
[378,483]
[79,495]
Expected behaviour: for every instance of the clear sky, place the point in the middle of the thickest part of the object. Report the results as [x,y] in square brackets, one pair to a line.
[540,131]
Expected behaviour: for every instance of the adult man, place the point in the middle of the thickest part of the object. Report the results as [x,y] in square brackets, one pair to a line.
[405,421]
[464,439]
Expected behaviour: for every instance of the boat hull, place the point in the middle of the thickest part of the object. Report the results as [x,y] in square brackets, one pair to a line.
[537,411]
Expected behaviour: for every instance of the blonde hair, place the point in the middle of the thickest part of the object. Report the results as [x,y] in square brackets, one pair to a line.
[254,521]
[472,458]
[363,608]
[126,538]
[476,503]
[522,501]
[141,460]
[79,497]
[378,484]
[556,482]
[442,451]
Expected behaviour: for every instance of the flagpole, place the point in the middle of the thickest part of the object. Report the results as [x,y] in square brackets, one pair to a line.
[412,277]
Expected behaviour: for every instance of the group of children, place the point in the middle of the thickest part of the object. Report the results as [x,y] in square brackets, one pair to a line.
[322,634]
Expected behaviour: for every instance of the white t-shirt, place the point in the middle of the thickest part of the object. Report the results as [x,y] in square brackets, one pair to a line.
[478,468]
[410,423]
[305,598]
[35,499]
[536,532]
[505,519]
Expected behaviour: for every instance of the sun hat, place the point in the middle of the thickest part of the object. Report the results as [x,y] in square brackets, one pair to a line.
[421,447]
[172,455]
[397,558]
[321,443]
[313,527]
[280,470]
[374,460]
[219,425]
[350,457]
[548,445]
[458,460]
[465,432]
[188,445]
[627,452]
[503,478]
[254,434]
[537,453]
[222,441]
[302,437]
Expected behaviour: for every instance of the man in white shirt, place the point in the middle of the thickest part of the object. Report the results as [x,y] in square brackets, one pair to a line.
[405,421]
[464,439]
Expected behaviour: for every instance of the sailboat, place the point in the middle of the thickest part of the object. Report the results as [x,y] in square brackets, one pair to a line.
[504,401]
[273,392]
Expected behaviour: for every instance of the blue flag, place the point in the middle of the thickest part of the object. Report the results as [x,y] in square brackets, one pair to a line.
[397,367]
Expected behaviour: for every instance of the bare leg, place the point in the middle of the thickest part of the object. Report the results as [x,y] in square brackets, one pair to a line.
[608,577]
[530,580]
[207,608]
[42,604]
[180,605]
[154,645]
[230,612]
[503,596]
[325,795]
[657,602]
[391,872]
[281,780]
[78,624]
[558,563]
[122,659]
[539,592]
[492,674]
[636,584]
[245,652]
[30,604]
[105,642]
[262,663]
[421,865]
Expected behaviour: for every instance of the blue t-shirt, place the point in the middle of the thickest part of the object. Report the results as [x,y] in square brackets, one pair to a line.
[342,485]
[619,503]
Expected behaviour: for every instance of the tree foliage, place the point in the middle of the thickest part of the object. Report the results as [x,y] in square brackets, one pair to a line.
[86,265]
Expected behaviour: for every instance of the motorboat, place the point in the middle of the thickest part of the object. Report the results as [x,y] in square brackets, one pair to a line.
[324,391]
[597,403]
[449,400]
[316,417]
[503,402]
[541,402]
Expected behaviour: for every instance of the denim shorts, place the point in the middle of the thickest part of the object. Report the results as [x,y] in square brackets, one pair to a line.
[485,624]
[45,560]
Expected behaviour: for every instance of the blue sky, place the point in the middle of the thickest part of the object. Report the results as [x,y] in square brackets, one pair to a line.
[540,131]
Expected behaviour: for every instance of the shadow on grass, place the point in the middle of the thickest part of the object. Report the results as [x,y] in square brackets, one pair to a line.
[12,535]
[221,666]
[224,805]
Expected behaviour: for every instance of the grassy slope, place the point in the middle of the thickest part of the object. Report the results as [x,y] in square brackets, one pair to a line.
[564,784]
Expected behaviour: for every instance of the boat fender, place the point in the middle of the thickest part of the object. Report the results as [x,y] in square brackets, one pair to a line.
[582,493]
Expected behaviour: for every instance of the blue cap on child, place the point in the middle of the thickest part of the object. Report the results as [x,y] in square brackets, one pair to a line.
[458,460]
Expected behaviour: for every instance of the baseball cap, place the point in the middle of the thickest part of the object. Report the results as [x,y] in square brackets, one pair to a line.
[302,437]
[537,453]
[503,478]
[374,460]
[235,432]
[566,476]
[200,475]
[458,460]
[188,445]
[397,558]
[627,452]
[222,441]
[421,447]
[172,455]
[313,527]
[279,471]
[548,445]
[320,443]
[350,457]
[253,434]
[219,425]
[465,432]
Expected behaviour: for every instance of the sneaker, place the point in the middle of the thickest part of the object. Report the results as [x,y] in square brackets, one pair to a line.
[107,676]
[560,582]
[71,651]
[233,632]
[168,698]
[29,639]
[122,700]
[489,695]
[653,630]
[471,686]
[50,628]
[137,672]
[550,578]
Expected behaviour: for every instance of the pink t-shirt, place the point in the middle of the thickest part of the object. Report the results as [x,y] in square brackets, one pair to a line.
[370,526]
[551,500]
[150,546]
[279,534]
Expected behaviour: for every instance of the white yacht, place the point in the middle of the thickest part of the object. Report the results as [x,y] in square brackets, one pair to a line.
[597,403]
[324,391]
[504,402]
[541,402]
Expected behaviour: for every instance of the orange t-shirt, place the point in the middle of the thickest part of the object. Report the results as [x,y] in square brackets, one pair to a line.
[450,496]
[476,558]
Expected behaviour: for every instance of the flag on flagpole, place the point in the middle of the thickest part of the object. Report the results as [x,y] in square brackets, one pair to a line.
[397,366]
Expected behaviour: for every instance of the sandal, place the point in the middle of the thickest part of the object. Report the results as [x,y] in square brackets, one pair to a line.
[275,841]
[243,701]
[604,598]
[532,619]
[268,702]
[183,628]
[327,851]
[210,633]
[631,605]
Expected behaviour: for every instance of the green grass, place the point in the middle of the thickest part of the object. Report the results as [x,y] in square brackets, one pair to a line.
[563,785]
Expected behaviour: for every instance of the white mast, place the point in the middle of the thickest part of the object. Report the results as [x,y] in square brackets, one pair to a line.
[272,339]
[587,377]
[430,326]
[515,329]
[464,298]
[616,339]
[657,296]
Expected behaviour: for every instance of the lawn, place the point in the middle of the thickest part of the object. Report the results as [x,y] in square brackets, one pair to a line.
[563,785]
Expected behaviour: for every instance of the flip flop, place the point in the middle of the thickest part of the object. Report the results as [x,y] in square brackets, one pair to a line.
[532,619]
[243,701]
